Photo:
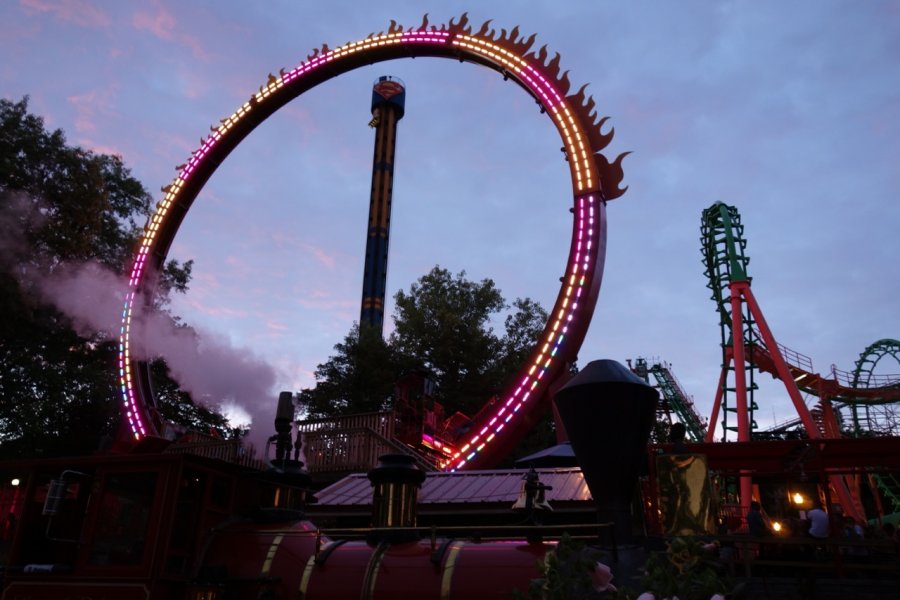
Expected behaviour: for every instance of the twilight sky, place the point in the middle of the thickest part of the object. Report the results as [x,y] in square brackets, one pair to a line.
[788,111]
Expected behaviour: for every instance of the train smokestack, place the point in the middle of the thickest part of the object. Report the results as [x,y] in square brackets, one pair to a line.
[608,412]
[284,425]
[284,420]
[395,481]
[388,107]
[285,485]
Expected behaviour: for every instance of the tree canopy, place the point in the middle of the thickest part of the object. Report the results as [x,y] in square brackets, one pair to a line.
[443,326]
[359,378]
[61,206]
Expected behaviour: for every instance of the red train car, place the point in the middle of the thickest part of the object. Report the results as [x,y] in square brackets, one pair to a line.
[161,525]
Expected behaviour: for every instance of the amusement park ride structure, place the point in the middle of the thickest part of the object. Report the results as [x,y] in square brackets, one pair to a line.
[388,106]
[673,398]
[594,181]
[754,348]
[749,345]
[145,523]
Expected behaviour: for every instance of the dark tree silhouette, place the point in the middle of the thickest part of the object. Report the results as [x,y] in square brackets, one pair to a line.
[61,206]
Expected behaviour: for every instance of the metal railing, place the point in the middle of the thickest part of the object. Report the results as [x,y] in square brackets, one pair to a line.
[351,450]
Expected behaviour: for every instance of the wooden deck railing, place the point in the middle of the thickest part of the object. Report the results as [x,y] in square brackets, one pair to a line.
[227,450]
[351,450]
[381,422]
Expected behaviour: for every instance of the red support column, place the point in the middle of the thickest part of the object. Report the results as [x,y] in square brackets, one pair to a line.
[838,483]
[740,381]
[780,365]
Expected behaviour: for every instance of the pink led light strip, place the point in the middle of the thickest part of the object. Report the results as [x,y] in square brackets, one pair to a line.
[129,397]
[151,231]
[579,157]
[581,262]
[431,37]
[576,148]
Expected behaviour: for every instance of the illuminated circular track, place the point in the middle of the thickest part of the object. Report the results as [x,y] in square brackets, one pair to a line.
[594,181]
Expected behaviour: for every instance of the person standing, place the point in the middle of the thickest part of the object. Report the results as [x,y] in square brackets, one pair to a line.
[819,523]
[677,436]
[755,521]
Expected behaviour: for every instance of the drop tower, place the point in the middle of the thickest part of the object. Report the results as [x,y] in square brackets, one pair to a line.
[388,99]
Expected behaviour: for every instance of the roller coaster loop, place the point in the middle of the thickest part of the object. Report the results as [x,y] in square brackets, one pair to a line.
[874,414]
[595,180]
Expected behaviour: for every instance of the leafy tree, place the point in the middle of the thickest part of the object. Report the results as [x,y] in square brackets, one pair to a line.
[59,205]
[359,378]
[442,325]
[522,327]
[49,381]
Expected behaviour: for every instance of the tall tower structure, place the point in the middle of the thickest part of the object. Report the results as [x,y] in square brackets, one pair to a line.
[388,99]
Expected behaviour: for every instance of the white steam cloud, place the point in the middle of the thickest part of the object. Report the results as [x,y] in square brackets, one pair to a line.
[205,364]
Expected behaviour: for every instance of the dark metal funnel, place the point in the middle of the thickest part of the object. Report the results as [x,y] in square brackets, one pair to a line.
[608,413]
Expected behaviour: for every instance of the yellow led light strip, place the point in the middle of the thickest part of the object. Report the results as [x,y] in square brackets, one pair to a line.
[565,119]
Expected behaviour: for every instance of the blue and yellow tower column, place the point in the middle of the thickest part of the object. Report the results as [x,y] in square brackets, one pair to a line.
[388,99]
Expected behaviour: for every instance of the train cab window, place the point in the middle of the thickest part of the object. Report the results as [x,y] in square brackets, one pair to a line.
[124,512]
[52,518]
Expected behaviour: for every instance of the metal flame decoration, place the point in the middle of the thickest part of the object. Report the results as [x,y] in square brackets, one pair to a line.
[595,180]
[611,173]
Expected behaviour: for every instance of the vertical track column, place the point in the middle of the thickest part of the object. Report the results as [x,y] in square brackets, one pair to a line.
[388,100]
[740,384]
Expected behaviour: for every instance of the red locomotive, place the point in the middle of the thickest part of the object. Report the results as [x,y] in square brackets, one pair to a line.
[173,525]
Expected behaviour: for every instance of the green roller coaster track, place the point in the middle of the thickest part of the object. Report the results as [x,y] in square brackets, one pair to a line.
[877,418]
[723,245]
[864,376]
[674,397]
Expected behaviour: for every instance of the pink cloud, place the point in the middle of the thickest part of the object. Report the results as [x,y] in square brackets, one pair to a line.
[77,12]
[205,281]
[327,302]
[324,257]
[236,262]
[191,85]
[317,293]
[13,33]
[282,239]
[276,328]
[163,25]
[89,105]
[300,115]
[216,311]
[99,148]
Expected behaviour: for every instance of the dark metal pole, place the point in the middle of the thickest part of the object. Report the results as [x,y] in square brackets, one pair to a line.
[388,99]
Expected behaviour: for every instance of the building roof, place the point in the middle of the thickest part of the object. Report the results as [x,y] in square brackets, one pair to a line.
[560,455]
[463,487]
